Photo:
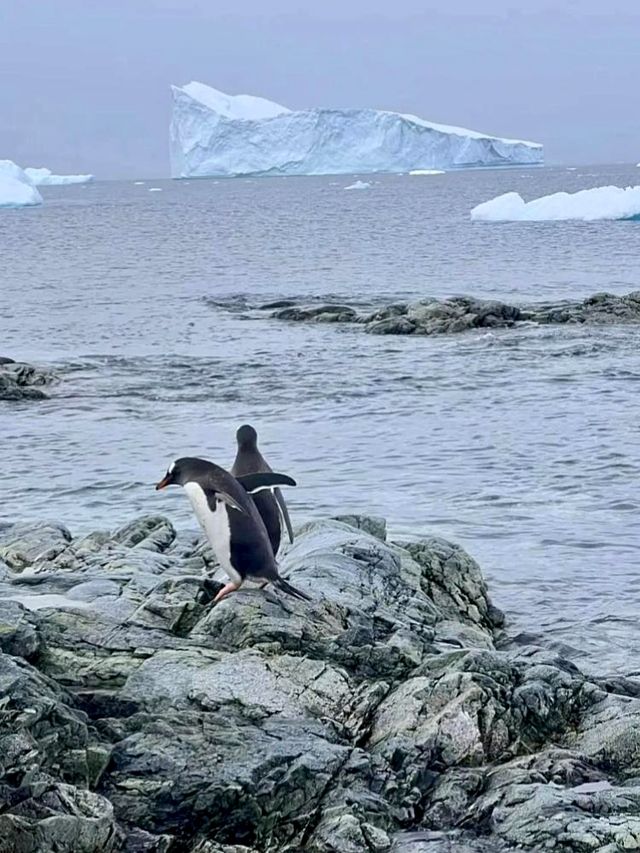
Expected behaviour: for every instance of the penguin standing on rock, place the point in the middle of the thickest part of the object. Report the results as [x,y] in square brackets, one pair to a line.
[271,505]
[225,509]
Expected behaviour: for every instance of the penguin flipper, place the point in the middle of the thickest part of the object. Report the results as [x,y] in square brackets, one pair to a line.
[258,482]
[284,512]
[226,498]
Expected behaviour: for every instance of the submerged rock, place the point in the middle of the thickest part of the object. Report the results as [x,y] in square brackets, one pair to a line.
[462,313]
[381,716]
[22,381]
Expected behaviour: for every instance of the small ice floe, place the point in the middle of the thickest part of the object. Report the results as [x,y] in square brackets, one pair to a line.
[426,172]
[572,168]
[586,205]
[359,185]
[138,183]
[155,189]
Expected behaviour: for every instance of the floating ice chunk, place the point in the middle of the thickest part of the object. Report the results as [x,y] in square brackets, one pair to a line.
[213,133]
[587,205]
[155,189]
[42,177]
[16,188]
[426,172]
[359,185]
[138,183]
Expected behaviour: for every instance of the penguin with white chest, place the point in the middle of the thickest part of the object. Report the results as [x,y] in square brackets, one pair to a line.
[270,505]
[231,522]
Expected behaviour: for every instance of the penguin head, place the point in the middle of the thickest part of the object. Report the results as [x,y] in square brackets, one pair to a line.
[179,472]
[247,437]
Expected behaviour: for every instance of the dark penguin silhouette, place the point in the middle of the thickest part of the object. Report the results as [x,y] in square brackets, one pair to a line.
[271,505]
[228,515]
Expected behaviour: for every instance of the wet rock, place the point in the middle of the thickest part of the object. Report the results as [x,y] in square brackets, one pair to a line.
[6,360]
[22,381]
[318,314]
[279,303]
[433,316]
[392,326]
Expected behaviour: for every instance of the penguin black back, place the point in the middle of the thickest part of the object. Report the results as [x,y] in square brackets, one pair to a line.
[271,506]
[227,513]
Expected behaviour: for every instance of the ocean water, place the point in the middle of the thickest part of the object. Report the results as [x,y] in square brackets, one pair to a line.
[522,445]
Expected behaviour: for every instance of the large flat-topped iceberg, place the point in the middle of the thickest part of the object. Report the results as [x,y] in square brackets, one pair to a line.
[213,133]
[42,177]
[587,205]
[16,188]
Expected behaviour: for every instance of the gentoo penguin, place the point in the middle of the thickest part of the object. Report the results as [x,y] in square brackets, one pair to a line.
[230,520]
[271,505]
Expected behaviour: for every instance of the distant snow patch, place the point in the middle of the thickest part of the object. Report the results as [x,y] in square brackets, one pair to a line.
[586,205]
[359,185]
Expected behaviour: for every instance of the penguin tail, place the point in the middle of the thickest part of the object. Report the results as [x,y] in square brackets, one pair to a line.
[285,586]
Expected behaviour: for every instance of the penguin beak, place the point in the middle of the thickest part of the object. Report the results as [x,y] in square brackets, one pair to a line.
[164,482]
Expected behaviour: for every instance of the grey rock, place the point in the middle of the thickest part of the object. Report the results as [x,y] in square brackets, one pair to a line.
[392,326]
[433,316]
[47,760]
[22,545]
[21,381]
[19,633]
[373,524]
[318,314]
[380,716]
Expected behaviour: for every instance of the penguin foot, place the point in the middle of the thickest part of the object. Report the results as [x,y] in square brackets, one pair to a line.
[226,590]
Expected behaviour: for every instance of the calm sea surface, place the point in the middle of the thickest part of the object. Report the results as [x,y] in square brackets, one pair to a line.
[522,445]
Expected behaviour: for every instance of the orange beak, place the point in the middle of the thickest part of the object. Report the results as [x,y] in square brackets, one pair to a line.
[164,482]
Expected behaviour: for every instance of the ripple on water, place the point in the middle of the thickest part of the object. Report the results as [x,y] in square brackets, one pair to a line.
[520,444]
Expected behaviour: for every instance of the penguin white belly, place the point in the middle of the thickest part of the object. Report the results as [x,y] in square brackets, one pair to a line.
[216,527]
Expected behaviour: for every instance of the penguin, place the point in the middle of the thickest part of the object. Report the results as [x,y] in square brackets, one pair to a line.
[271,505]
[225,509]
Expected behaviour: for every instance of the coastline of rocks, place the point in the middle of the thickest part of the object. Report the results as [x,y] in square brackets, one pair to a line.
[433,316]
[20,381]
[391,713]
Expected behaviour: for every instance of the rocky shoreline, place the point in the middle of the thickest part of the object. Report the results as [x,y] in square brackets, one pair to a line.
[392,713]
[461,313]
[20,381]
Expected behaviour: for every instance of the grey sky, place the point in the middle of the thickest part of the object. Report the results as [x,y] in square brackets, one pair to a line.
[85,84]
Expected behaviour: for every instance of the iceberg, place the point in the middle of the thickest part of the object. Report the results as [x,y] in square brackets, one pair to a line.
[587,205]
[16,188]
[426,172]
[42,177]
[213,133]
